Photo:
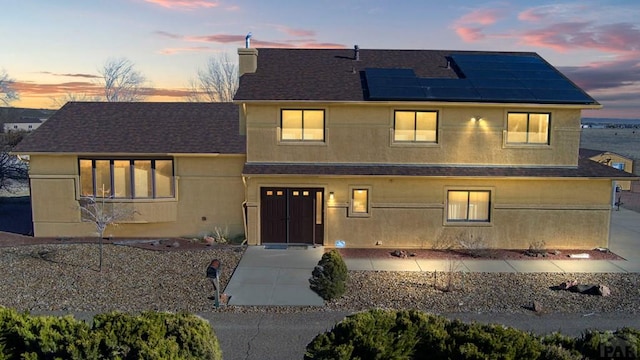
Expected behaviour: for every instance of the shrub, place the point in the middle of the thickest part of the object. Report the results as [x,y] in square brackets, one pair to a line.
[44,337]
[329,276]
[412,334]
[153,335]
[150,335]
[622,343]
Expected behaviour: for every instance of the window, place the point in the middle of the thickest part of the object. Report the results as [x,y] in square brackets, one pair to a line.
[126,178]
[302,125]
[359,201]
[468,206]
[618,165]
[415,126]
[528,128]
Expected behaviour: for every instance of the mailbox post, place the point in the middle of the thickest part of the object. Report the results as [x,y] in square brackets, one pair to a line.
[213,273]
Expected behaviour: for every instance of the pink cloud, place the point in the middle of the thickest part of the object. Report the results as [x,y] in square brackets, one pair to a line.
[295,32]
[470,26]
[615,38]
[171,51]
[532,15]
[468,34]
[184,4]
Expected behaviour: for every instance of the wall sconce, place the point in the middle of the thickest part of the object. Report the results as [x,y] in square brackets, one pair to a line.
[476,118]
[331,196]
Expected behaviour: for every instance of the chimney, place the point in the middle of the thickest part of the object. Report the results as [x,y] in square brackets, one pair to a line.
[247,60]
[356,49]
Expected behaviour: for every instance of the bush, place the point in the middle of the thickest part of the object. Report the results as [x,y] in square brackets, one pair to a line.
[44,337]
[329,276]
[411,334]
[150,335]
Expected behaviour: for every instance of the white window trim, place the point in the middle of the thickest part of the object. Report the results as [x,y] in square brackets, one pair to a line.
[322,142]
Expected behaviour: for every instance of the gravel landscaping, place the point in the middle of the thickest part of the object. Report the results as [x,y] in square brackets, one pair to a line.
[65,277]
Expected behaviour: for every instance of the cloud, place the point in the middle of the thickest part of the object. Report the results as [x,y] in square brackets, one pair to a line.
[470,27]
[604,75]
[239,39]
[620,38]
[171,51]
[78,87]
[87,76]
[184,4]
[295,32]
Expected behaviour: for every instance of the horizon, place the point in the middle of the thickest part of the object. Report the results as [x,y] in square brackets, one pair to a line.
[595,44]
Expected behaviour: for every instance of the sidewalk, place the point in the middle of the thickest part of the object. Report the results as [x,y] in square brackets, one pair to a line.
[280,276]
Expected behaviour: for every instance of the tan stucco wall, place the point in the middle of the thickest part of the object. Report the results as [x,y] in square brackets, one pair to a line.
[209,193]
[410,213]
[363,133]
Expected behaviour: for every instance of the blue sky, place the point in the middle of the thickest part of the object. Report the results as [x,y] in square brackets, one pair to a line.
[51,48]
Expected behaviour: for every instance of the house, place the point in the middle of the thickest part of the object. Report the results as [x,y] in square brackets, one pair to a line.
[612,159]
[340,147]
[20,119]
[176,168]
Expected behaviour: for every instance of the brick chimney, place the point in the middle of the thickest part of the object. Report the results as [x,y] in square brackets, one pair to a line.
[247,60]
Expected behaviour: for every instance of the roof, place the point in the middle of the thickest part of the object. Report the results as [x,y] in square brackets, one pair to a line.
[25,121]
[586,169]
[407,75]
[589,153]
[138,128]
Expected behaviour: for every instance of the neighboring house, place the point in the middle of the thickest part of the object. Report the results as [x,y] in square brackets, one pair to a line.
[22,124]
[612,159]
[361,148]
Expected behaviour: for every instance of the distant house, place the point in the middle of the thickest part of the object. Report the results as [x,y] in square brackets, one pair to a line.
[22,125]
[338,147]
[614,160]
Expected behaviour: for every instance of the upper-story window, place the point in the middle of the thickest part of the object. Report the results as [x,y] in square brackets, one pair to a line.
[415,126]
[528,128]
[126,178]
[302,125]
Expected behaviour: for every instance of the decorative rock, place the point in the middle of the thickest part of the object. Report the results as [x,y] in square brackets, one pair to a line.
[537,306]
[568,284]
[603,290]
[399,253]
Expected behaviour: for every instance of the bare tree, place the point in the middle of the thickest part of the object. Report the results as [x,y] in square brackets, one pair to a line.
[103,214]
[218,82]
[7,91]
[69,97]
[12,169]
[121,81]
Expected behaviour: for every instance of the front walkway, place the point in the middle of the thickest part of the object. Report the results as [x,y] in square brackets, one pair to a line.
[280,276]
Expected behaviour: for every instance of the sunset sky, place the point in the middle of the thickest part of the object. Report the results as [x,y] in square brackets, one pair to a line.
[53,48]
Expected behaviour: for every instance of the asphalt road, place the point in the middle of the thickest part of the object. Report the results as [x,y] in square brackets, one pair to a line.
[266,335]
[254,336]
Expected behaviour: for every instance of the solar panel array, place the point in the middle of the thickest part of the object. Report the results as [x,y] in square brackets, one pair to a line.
[483,78]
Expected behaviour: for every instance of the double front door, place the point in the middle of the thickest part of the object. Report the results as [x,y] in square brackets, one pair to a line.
[291,215]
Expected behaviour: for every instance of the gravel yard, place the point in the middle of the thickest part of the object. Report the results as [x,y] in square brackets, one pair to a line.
[65,277]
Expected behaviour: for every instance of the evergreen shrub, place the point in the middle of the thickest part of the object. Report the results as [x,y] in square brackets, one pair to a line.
[329,276]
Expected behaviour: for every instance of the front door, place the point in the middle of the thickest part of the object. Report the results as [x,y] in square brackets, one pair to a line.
[291,215]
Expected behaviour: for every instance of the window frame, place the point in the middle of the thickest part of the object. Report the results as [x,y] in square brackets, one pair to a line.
[528,143]
[302,128]
[352,208]
[130,179]
[394,129]
[467,221]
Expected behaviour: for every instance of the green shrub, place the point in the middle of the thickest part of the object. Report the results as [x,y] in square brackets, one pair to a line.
[44,337]
[411,334]
[153,335]
[150,335]
[622,343]
[329,276]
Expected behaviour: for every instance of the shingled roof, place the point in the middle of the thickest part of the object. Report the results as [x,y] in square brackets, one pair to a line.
[138,128]
[423,75]
[586,169]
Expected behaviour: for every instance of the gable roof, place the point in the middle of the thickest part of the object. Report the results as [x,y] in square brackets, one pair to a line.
[138,128]
[407,75]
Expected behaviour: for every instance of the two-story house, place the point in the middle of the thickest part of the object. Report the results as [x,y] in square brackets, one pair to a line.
[340,147]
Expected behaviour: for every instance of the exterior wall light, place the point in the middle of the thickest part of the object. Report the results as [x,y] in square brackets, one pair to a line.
[331,196]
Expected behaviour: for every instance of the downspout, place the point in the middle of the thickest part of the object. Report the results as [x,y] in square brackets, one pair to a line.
[244,210]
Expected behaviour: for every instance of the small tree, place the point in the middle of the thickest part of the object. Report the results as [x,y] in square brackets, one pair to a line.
[218,82]
[11,168]
[8,92]
[103,214]
[121,81]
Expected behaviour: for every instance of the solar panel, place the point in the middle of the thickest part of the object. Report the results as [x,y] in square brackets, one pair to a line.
[482,77]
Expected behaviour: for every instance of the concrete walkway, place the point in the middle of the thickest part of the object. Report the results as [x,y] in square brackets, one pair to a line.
[280,276]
